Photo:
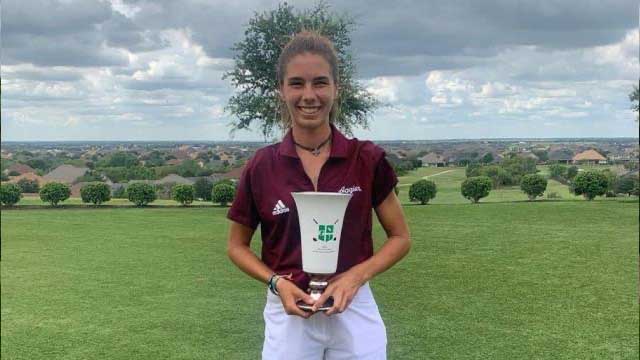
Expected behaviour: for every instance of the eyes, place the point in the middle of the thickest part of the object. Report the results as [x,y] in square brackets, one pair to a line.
[297,83]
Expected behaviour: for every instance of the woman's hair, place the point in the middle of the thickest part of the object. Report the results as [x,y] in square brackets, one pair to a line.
[313,43]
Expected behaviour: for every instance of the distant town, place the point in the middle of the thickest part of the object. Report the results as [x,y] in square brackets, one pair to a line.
[169,163]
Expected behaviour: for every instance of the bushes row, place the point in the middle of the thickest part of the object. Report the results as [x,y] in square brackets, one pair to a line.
[477,187]
[140,194]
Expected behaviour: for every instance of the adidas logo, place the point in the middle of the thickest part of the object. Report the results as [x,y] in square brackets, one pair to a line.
[280,208]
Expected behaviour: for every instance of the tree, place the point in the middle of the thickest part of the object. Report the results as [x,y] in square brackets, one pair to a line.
[572,171]
[254,73]
[634,97]
[141,194]
[95,193]
[558,172]
[590,184]
[183,193]
[422,191]
[487,158]
[223,194]
[9,194]
[533,185]
[475,188]
[203,189]
[54,192]
[28,186]
[627,184]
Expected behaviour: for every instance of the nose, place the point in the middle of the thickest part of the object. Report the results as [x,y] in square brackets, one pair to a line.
[308,94]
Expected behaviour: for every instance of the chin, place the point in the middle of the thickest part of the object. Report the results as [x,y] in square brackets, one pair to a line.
[310,123]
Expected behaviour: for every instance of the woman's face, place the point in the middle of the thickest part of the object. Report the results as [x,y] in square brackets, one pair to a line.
[308,90]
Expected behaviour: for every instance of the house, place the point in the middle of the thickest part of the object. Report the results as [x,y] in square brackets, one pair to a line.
[174,179]
[19,168]
[433,159]
[561,156]
[591,157]
[29,176]
[65,174]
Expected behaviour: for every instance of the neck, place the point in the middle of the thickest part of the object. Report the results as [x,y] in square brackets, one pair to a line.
[311,137]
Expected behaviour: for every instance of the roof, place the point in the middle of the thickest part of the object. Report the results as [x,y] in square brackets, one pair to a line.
[561,154]
[432,158]
[65,173]
[20,168]
[173,178]
[234,173]
[29,176]
[589,155]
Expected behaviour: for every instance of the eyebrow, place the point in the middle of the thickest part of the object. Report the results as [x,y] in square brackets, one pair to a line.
[319,78]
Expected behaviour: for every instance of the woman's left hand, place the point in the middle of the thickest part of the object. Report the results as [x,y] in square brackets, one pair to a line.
[343,287]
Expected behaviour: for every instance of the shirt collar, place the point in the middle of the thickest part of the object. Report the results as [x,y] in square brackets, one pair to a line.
[339,144]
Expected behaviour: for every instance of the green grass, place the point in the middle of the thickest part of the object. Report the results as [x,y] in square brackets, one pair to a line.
[543,280]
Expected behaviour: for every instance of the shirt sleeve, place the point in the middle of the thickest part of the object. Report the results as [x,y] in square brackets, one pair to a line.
[384,181]
[244,210]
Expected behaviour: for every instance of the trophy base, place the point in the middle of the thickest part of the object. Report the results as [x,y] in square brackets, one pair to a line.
[306,307]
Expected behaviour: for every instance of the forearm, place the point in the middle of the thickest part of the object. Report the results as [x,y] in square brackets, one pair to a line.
[393,250]
[248,262]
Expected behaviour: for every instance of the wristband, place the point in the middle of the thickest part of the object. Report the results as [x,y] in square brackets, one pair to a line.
[273,281]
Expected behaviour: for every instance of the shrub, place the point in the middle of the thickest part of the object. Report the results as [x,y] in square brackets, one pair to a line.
[572,171]
[222,193]
[627,184]
[10,194]
[141,194]
[54,192]
[553,195]
[183,194]
[590,184]
[533,185]
[475,188]
[29,186]
[95,193]
[14,173]
[558,172]
[203,189]
[422,191]
[4,177]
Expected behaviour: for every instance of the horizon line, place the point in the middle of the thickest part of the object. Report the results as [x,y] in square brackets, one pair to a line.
[385,140]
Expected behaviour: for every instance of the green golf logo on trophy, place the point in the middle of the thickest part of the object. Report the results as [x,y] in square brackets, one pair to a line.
[321,216]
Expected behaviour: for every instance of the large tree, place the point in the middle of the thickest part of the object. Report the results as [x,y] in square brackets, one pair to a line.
[254,73]
[635,100]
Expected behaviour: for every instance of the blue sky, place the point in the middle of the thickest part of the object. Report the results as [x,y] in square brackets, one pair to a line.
[152,70]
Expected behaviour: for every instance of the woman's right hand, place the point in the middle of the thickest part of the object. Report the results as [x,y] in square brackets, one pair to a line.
[290,294]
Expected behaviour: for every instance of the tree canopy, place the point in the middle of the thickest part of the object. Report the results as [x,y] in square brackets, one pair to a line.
[254,73]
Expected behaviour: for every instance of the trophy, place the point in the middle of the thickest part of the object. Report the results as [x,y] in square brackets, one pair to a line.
[320,215]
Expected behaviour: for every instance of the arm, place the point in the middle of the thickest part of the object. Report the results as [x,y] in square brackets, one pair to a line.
[239,251]
[344,286]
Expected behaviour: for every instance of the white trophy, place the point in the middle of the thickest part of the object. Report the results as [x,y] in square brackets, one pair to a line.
[321,215]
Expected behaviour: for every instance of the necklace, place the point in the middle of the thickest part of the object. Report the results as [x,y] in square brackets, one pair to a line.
[314,151]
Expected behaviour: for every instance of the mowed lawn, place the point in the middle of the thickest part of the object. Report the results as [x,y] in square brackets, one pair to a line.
[515,280]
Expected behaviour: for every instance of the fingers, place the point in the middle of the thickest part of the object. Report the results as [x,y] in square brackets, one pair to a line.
[289,295]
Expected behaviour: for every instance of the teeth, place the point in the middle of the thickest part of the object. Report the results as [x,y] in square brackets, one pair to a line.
[309,110]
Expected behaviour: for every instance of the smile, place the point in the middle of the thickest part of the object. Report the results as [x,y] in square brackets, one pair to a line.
[309,110]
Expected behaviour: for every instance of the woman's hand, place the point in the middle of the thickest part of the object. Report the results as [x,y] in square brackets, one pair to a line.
[290,294]
[343,287]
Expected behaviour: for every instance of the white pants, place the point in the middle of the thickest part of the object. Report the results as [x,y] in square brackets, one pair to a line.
[357,333]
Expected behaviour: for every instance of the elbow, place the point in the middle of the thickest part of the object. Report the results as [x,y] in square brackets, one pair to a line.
[407,242]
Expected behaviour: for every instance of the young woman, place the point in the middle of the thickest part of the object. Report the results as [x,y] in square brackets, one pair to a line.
[315,156]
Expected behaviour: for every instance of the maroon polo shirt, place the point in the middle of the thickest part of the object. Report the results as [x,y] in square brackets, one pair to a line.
[274,172]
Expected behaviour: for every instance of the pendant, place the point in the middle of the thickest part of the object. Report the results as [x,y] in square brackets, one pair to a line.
[315,152]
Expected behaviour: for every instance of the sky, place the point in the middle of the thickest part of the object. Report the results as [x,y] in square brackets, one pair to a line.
[457,69]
